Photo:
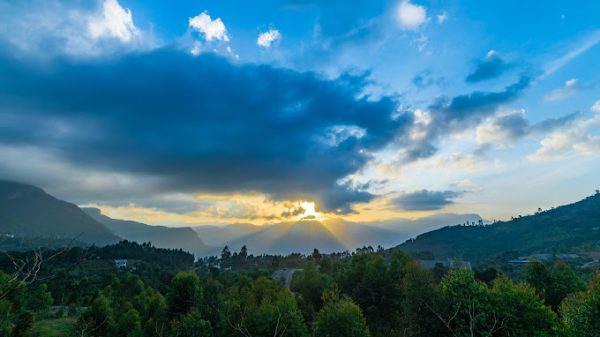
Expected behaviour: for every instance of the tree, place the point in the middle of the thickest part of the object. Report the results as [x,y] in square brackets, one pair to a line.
[185,294]
[97,321]
[191,325]
[129,324]
[520,310]
[341,318]
[309,284]
[23,323]
[580,312]
[264,309]
[468,307]
[553,284]
[225,254]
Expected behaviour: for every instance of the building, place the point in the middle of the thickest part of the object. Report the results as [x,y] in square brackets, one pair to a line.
[121,263]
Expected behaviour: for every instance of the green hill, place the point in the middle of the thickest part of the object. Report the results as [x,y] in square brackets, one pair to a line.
[569,228]
[28,211]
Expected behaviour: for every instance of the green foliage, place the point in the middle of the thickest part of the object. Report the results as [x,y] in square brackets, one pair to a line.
[309,284]
[185,293]
[469,307]
[378,294]
[581,312]
[191,325]
[553,284]
[341,318]
[263,309]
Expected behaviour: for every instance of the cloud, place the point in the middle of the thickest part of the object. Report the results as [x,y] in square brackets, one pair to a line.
[442,17]
[45,29]
[211,29]
[424,200]
[571,86]
[115,22]
[596,107]
[267,38]
[200,123]
[446,116]
[583,46]
[579,139]
[463,110]
[506,127]
[426,78]
[492,66]
[411,16]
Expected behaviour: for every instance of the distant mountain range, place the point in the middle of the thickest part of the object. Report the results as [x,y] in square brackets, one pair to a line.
[30,213]
[565,229]
[328,236]
[160,236]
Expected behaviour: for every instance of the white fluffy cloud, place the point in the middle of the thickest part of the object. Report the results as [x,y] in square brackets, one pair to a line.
[113,22]
[596,107]
[411,16]
[267,38]
[580,139]
[212,29]
[44,28]
[570,87]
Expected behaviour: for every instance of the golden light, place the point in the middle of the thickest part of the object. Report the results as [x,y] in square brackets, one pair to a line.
[310,212]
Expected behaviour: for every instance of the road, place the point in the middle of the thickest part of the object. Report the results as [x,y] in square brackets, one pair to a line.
[285,275]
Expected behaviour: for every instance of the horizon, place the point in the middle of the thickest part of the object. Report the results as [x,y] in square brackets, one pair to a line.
[223,112]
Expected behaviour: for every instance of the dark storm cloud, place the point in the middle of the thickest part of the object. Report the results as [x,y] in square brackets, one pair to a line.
[492,66]
[198,123]
[424,200]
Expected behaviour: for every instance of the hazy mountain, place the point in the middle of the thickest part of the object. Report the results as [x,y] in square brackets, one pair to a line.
[29,211]
[563,229]
[331,235]
[290,237]
[355,235]
[219,236]
[410,227]
[160,236]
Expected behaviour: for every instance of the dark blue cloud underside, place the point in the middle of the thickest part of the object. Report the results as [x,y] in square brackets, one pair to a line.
[424,200]
[490,68]
[199,123]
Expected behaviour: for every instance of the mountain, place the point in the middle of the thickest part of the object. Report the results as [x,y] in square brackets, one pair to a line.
[565,229]
[219,236]
[330,235]
[412,227]
[290,237]
[160,236]
[355,235]
[303,236]
[26,210]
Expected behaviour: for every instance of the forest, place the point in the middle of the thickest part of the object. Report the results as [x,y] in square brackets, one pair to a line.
[372,292]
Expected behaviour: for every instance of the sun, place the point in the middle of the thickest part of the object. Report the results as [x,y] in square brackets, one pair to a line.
[310,212]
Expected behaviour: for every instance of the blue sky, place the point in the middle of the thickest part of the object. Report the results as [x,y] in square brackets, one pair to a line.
[194,112]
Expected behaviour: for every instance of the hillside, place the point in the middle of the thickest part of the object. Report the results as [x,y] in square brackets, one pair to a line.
[160,236]
[568,228]
[26,210]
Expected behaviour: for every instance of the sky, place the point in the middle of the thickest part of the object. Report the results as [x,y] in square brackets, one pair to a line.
[214,112]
